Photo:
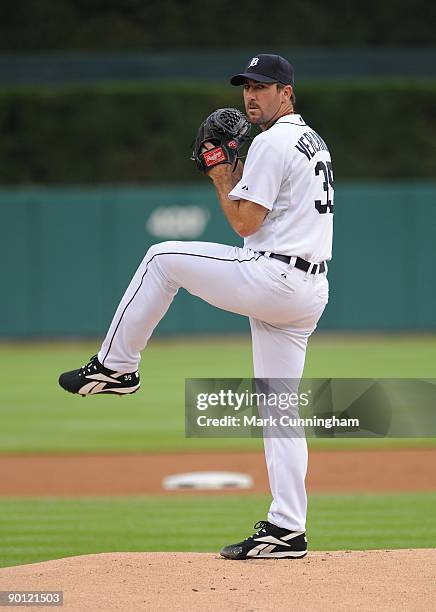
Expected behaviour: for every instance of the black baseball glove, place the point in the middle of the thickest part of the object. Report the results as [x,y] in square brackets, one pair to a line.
[227,129]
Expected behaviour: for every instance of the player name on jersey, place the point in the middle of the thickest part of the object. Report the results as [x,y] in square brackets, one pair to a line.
[310,143]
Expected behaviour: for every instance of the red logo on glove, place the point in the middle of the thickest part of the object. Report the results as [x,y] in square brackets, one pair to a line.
[214,157]
[232,144]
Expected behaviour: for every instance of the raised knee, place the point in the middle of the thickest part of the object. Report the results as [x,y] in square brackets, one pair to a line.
[170,246]
[159,256]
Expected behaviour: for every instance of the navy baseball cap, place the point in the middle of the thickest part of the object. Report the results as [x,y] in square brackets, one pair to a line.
[266,68]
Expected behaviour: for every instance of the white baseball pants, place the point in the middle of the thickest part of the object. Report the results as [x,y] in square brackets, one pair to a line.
[284,305]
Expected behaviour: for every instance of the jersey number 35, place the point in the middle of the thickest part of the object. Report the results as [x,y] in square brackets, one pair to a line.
[326,169]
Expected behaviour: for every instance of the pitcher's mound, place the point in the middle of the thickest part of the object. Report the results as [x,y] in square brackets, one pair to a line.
[388,580]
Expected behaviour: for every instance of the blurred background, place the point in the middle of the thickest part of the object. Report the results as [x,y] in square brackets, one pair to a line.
[99,105]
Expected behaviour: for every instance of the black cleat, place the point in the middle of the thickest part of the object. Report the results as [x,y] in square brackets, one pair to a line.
[94,378]
[269,542]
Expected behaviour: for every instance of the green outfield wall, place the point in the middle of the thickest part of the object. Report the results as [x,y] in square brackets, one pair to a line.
[68,254]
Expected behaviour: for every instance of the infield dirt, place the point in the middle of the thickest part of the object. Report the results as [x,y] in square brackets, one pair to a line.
[142,474]
[387,581]
[377,580]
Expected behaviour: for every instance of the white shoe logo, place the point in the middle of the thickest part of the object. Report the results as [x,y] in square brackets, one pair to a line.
[103,377]
[269,546]
[254,62]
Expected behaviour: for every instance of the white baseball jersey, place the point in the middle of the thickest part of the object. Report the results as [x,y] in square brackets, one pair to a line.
[288,170]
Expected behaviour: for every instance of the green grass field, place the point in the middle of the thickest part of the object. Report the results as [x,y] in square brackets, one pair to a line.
[37,416]
[39,529]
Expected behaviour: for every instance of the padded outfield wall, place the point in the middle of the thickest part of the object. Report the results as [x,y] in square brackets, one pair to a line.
[68,254]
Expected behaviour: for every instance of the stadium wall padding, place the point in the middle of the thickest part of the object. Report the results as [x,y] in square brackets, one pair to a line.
[67,254]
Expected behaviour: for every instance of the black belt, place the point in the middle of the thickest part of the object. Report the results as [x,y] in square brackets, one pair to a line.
[300,264]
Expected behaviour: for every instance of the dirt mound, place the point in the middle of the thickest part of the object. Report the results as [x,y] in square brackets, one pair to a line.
[389,580]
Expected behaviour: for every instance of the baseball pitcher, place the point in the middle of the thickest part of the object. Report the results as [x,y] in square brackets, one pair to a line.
[281,202]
